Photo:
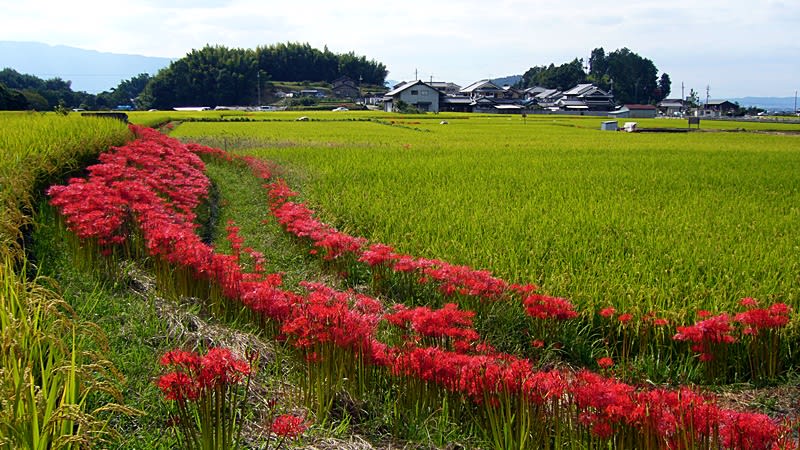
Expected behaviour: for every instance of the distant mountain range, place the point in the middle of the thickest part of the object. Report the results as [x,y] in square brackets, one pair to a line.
[89,70]
[509,80]
[768,103]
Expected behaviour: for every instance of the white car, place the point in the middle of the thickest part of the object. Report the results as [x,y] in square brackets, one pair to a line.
[341,108]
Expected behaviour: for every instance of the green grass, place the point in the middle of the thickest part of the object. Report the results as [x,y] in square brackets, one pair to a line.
[648,221]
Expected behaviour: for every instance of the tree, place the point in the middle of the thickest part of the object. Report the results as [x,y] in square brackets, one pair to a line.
[598,64]
[561,77]
[693,99]
[207,77]
[126,93]
[634,77]
[664,87]
[12,99]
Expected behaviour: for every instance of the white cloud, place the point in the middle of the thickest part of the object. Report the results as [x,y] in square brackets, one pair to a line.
[460,41]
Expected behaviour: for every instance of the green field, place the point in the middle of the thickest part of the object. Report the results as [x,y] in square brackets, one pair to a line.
[646,221]
[674,222]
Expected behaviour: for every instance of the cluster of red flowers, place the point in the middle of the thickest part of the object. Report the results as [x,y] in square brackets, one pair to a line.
[288,426]
[706,333]
[756,319]
[194,375]
[543,307]
[162,210]
[446,323]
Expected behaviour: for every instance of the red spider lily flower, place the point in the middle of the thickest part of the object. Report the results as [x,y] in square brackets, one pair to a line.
[748,302]
[181,358]
[775,316]
[659,322]
[608,312]
[178,386]
[220,367]
[625,318]
[541,306]
[378,254]
[742,430]
[288,426]
[605,362]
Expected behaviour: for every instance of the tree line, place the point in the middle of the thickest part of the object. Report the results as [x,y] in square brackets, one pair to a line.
[212,75]
[630,77]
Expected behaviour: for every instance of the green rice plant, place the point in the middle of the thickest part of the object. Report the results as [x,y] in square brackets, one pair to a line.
[48,379]
[595,217]
[35,148]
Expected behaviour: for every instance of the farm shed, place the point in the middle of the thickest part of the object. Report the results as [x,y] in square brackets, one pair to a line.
[609,125]
[635,112]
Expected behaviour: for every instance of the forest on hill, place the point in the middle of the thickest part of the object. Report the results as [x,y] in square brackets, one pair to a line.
[213,75]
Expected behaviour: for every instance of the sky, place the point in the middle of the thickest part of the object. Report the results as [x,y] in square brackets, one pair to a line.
[735,48]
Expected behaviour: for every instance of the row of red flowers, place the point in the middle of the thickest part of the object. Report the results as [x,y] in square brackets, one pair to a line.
[133,188]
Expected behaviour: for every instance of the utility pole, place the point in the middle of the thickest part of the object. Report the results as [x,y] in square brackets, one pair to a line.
[683,97]
[795,101]
[708,93]
[259,88]
[416,75]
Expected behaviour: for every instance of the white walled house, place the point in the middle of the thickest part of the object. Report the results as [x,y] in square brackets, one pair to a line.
[415,93]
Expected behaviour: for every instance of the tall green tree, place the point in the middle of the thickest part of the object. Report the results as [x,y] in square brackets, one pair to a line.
[12,99]
[664,86]
[561,77]
[634,78]
[211,76]
[126,93]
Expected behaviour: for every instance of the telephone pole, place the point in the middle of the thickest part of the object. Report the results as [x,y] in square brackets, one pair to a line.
[259,88]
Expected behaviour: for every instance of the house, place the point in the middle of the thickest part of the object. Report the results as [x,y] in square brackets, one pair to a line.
[445,87]
[547,99]
[671,107]
[532,92]
[312,93]
[716,108]
[455,103]
[419,94]
[512,93]
[481,89]
[634,111]
[587,97]
[345,87]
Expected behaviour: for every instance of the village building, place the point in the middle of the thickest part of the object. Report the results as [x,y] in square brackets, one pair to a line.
[345,87]
[482,89]
[671,107]
[634,111]
[446,88]
[586,97]
[415,93]
[716,108]
[484,96]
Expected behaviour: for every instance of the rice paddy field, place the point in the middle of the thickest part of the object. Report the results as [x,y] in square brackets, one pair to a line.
[144,278]
[645,221]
